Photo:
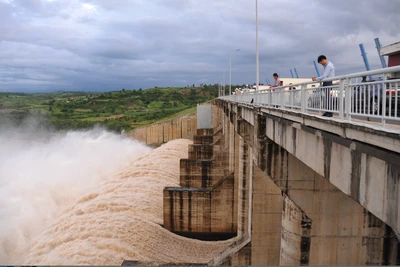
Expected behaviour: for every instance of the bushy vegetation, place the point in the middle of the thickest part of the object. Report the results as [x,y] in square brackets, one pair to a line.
[118,110]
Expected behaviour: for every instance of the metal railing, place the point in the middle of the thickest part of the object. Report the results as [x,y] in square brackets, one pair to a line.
[377,100]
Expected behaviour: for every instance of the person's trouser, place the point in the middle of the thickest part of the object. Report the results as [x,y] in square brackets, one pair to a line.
[328,98]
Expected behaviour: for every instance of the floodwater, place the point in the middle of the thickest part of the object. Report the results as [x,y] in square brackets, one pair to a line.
[91,198]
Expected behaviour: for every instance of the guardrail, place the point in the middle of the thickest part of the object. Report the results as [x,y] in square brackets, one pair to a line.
[372,100]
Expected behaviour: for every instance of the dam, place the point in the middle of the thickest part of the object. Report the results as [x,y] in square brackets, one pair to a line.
[285,185]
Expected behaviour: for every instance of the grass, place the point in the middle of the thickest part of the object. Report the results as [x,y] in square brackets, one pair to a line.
[77,110]
[185,112]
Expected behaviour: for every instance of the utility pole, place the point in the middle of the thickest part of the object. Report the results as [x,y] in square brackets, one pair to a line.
[223,75]
[257,63]
[230,69]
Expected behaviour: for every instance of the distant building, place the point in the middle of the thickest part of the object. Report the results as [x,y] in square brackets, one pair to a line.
[393,52]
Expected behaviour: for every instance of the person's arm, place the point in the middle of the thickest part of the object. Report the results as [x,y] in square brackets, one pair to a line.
[276,84]
[327,71]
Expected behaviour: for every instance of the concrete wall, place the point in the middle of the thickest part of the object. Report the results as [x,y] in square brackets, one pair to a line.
[240,252]
[303,207]
[296,228]
[182,127]
[206,206]
[266,221]
[367,173]
[203,173]
[243,175]
[342,232]
[204,120]
[302,190]
[159,133]
[200,213]
[240,258]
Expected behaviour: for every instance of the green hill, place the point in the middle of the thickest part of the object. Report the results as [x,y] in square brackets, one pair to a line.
[117,110]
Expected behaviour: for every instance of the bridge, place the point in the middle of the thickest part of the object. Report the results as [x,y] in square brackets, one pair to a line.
[290,186]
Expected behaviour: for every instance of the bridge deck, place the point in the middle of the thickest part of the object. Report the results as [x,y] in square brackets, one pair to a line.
[391,126]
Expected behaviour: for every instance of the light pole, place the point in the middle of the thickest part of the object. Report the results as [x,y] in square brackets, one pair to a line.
[223,78]
[219,88]
[257,70]
[230,69]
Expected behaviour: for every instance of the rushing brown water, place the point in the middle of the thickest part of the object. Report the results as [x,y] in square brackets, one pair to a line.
[42,174]
[120,220]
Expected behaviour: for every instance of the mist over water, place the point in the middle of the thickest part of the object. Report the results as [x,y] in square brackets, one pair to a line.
[89,197]
[42,174]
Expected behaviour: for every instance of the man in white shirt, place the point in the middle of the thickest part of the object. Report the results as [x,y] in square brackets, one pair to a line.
[329,72]
[276,96]
[277,81]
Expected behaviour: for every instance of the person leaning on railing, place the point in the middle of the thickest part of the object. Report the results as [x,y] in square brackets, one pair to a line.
[238,91]
[277,81]
[291,87]
[292,95]
[329,72]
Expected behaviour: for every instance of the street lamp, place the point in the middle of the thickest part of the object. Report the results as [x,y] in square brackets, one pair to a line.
[257,67]
[223,82]
[230,69]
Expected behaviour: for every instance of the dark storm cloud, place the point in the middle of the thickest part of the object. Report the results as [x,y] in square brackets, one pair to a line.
[113,44]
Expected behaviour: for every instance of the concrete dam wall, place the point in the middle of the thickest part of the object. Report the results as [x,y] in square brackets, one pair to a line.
[242,180]
[159,133]
[300,210]
[184,127]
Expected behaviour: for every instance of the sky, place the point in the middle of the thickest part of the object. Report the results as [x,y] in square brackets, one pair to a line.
[105,45]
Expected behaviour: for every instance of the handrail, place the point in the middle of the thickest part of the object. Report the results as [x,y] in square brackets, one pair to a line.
[370,100]
[366,73]
[343,77]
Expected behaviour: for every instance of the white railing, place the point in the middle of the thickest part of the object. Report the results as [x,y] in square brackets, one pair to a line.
[377,99]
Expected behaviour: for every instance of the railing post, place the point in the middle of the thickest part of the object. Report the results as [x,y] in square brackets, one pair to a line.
[303,97]
[383,100]
[269,97]
[341,98]
[347,99]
